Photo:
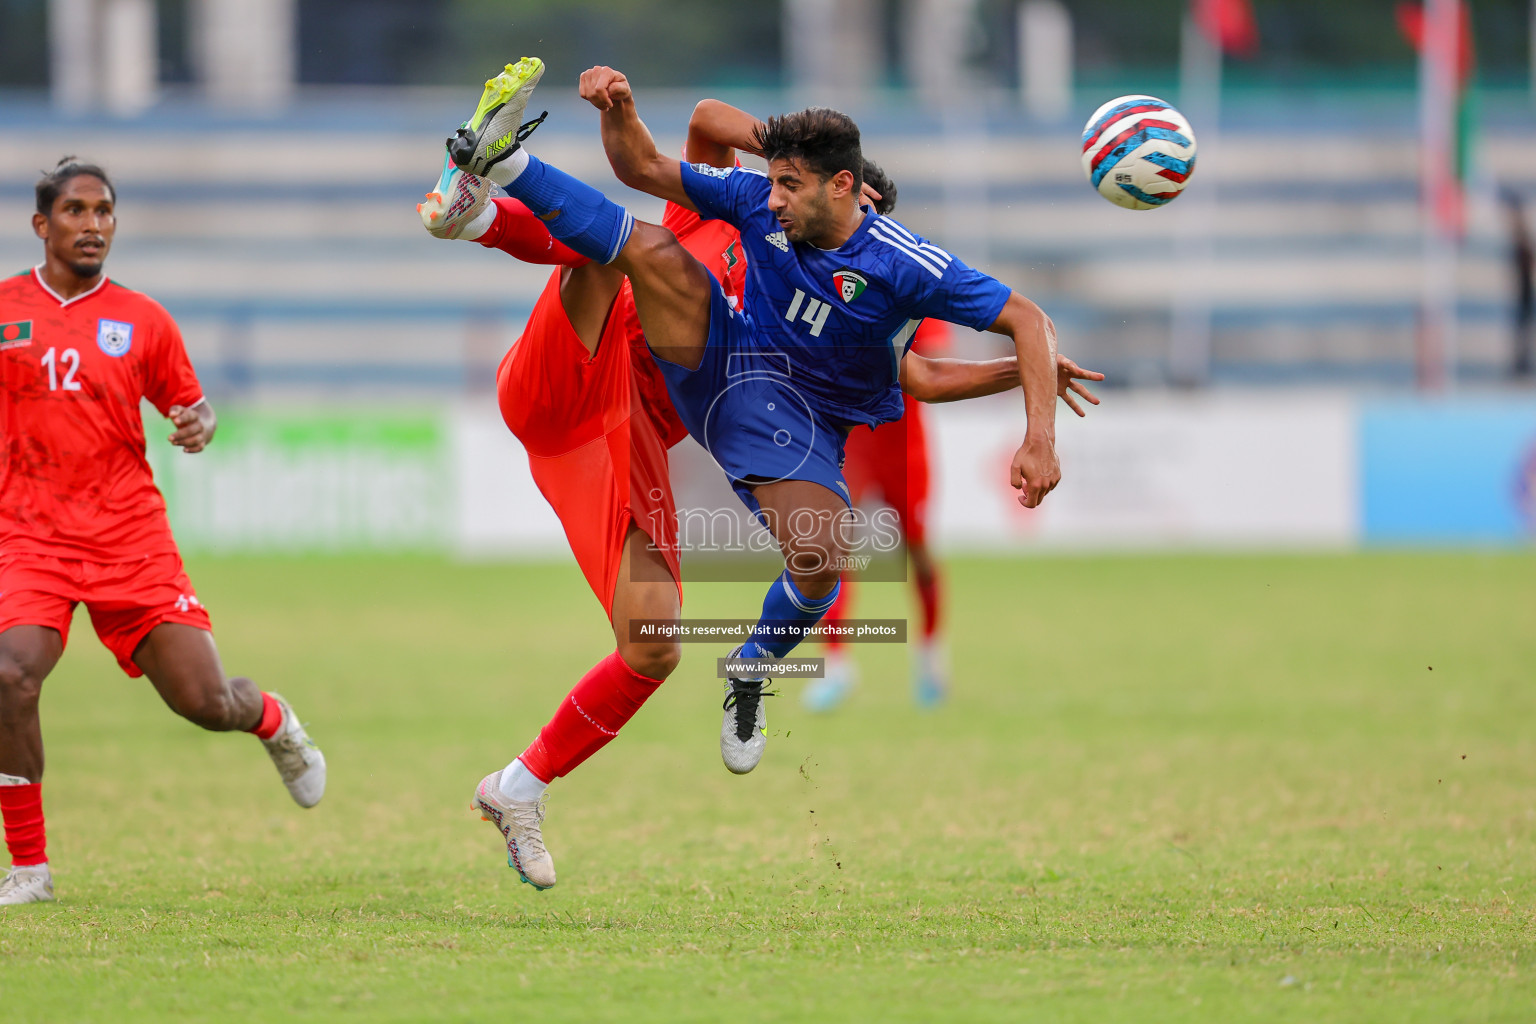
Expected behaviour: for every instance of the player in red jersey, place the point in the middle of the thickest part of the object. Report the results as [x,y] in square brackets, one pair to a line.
[892,461]
[583,394]
[81,520]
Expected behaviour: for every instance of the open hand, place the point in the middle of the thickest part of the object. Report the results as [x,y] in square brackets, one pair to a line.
[1068,374]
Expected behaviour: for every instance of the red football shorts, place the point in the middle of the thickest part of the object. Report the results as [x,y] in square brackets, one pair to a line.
[596,454]
[126,599]
[892,459]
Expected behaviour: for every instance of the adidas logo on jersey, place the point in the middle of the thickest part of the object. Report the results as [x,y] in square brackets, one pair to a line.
[778,241]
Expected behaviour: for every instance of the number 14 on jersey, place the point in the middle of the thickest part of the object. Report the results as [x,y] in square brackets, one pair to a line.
[816,312]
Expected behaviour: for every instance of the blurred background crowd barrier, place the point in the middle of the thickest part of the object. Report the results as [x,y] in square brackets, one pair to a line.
[1326,342]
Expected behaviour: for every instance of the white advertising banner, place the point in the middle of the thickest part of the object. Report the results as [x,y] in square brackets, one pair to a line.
[499,510]
[1148,471]
[1229,470]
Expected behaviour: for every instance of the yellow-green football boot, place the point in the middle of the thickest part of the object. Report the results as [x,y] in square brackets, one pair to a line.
[496,128]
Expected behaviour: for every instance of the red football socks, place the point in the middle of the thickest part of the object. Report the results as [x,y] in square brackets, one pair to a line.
[271,718]
[839,610]
[518,232]
[591,714]
[928,597]
[25,835]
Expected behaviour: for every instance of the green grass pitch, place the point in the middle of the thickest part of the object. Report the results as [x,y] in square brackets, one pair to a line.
[1296,788]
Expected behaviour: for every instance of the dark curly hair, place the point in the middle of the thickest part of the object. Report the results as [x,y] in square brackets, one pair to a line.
[876,178]
[825,140]
[52,183]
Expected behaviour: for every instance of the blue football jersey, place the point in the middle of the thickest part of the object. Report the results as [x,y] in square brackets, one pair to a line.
[842,317]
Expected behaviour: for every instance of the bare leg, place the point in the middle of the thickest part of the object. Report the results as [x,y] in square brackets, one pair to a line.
[923,568]
[184,665]
[645,590]
[925,580]
[27,655]
[808,521]
[587,293]
[672,293]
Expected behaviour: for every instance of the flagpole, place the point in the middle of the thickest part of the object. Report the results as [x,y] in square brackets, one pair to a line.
[1436,348]
[1189,348]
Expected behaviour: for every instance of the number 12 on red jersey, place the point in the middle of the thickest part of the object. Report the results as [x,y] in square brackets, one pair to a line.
[70,359]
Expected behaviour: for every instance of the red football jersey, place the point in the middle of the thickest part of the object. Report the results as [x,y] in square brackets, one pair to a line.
[932,338]
[713,243]
[75,482]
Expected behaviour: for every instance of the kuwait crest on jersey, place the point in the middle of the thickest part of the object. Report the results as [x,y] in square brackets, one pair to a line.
[113,336]
[849,284]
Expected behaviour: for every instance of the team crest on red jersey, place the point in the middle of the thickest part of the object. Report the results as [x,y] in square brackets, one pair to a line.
[114,337]
[15,335]
[849,285]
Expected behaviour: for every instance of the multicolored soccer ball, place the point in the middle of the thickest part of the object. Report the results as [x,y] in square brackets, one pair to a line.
[1138,152]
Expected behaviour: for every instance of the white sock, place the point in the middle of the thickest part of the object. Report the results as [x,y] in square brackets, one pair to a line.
[507,171]
[520,784]
[481,224]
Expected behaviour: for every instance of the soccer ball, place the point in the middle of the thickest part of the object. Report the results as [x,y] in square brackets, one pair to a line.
[1138,152]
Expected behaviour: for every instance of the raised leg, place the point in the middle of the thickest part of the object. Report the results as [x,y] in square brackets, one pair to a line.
[810,524]
[672,292]
[645,590]
[183,664]
[587,293]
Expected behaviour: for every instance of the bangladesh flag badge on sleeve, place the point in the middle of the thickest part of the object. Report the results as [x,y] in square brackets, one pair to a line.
[849,285]
[16,334]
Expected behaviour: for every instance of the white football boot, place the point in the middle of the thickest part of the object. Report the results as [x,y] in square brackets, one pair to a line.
[521,823]
[743,729]
[298,760]
[454,202]
[496,129]
[32,884]
[830,691]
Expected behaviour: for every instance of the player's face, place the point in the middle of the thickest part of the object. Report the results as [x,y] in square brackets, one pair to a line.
[801,199]
[78,231]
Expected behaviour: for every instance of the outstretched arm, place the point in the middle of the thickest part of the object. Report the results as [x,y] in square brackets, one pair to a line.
[954,380]
[631,150]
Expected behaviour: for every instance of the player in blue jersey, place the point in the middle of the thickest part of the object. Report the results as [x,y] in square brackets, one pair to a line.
[834,294]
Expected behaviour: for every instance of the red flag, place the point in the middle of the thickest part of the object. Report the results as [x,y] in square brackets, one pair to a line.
[1229,24]
[1410,21]
[1449,153]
